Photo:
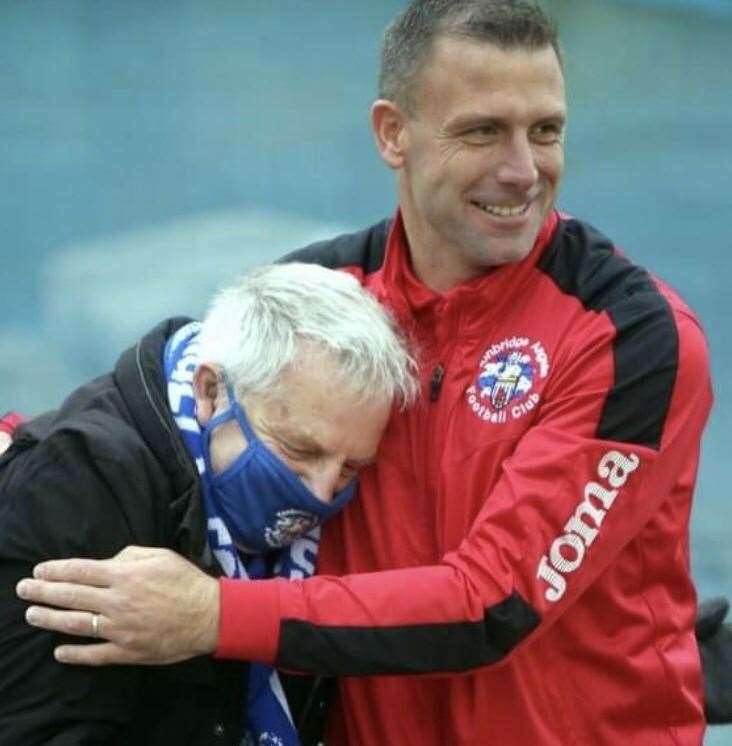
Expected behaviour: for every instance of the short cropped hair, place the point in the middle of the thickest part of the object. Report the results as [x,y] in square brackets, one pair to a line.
[409,39]
[257,328]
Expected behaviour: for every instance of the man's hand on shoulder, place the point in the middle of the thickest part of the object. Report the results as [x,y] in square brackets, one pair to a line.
[151,606]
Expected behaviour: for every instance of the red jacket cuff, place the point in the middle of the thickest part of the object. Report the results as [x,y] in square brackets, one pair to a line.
[10,421]
[249,619]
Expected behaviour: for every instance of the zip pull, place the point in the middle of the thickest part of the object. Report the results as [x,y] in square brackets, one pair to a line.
[438,374]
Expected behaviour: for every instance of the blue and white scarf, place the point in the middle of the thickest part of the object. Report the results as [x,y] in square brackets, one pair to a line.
[268,717]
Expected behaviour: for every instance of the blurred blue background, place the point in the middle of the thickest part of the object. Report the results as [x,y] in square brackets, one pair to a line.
[149,151]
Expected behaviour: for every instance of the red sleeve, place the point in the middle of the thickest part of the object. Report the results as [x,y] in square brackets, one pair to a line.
[260,628]
[10,422]
[569,500]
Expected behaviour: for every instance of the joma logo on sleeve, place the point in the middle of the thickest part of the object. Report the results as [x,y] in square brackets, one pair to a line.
[568,550]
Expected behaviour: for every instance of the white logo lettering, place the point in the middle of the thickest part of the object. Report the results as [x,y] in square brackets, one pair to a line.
[568,550]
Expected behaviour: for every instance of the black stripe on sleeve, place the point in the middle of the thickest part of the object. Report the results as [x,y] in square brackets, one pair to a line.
[364,249]
[418,648]
[582,263]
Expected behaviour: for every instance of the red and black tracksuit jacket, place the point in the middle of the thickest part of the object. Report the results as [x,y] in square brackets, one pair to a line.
[516,567]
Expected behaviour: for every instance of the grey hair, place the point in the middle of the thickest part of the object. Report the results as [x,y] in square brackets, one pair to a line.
[409,40]
[257,327]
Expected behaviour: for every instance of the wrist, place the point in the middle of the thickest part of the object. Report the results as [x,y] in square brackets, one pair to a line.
[209,615]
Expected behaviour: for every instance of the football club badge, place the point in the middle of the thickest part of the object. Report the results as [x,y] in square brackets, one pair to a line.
[508,374]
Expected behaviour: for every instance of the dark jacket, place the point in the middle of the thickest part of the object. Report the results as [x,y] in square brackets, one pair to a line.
[106,470]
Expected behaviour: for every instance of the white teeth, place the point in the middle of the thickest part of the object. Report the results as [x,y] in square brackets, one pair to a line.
[503,212]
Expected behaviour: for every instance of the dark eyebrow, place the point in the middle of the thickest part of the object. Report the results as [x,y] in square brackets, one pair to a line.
[560,119]
[466,122]
[470,121]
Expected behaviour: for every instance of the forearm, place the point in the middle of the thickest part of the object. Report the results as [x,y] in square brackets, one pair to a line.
[413,620]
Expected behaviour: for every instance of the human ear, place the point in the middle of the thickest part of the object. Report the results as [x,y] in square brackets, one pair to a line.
[387,123]
[207,391]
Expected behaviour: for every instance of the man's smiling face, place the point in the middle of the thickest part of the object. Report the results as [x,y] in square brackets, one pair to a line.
[483,155]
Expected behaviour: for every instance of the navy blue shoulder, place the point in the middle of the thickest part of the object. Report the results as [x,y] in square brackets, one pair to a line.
[364,249]
[583,263]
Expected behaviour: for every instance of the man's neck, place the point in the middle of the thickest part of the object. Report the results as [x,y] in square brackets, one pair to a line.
[434,264]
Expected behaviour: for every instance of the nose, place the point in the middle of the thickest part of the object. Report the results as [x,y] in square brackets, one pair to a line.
[518,166]
[324,480]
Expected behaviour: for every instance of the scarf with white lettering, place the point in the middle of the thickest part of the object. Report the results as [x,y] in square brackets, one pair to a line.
[267,713]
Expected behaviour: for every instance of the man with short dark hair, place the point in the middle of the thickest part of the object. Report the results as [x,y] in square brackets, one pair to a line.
[516,569]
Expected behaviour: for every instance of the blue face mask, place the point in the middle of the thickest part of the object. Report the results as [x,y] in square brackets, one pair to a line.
[263,503]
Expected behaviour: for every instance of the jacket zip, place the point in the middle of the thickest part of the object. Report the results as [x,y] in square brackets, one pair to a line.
[438,375]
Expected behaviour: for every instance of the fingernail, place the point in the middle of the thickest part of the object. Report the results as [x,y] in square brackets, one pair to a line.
[60,655]
[31,615]
[22,589]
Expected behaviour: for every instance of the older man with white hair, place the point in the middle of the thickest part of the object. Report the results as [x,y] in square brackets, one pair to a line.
[227,441]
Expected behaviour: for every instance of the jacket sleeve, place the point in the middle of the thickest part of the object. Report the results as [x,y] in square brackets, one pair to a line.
[571,497]
[56,502]
[9,422]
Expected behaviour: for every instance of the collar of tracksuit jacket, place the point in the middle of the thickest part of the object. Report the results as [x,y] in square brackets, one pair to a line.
[436,321]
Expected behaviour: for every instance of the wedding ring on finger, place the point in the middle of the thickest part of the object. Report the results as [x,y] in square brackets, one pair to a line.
[95,625]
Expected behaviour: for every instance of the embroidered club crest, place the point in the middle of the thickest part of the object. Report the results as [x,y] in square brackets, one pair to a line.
[505,386]
[290,525]
[507,377]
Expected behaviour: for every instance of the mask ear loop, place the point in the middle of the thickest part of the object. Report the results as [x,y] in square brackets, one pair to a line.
[236,411]
[224,416]
[233,411]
